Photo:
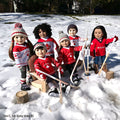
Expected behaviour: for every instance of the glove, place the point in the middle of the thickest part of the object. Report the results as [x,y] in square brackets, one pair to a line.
[116,38]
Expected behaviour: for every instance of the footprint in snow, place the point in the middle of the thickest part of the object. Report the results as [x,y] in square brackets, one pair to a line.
[8,65]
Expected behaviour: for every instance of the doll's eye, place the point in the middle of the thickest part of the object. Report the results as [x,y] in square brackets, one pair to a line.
[22,37]
[16,37]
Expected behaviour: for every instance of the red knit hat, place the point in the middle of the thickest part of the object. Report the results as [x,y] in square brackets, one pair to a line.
[18,30]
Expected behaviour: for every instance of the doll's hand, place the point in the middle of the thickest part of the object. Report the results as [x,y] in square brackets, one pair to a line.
[61,70]
[116,38]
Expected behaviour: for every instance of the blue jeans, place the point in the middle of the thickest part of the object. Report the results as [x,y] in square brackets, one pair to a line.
[99,58]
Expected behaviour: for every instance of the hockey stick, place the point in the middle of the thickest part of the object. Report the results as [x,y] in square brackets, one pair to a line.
[107,56]
[74,68]
[55,78]
[57,105]
[80,52]
[60,85]
[87,71]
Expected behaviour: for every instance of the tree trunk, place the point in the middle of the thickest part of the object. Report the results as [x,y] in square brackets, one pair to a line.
[21,97]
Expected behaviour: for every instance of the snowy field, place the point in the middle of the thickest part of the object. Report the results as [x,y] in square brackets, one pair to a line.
[97,98]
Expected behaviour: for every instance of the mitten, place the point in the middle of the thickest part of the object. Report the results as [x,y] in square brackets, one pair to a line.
[116,38]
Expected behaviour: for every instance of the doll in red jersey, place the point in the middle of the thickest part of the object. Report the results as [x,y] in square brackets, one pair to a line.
[43,33]
[98,45]
[20,50]
[67,57]
[75,41]
[45,64]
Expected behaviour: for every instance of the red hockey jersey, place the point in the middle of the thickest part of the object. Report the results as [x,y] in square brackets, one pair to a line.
[77,42]
[46,65]
[97,47]
[66,54]
[51,45]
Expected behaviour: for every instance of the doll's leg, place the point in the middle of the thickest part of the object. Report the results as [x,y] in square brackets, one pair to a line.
[70,67]
[96,59]
[76,57]
[23,71]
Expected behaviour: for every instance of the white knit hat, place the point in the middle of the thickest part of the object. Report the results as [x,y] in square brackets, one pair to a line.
[63,36]
[39,44]
[18,30]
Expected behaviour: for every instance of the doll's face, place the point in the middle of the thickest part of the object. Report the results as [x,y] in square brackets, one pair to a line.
[19,39]
[40,52]
[65,43]
[98,33]
[72,32]
[42,34]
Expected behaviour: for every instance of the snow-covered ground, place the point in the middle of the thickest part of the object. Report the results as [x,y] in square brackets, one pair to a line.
[97,98]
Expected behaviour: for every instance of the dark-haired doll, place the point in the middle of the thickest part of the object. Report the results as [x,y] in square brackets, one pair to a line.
[98,45]
[43,33]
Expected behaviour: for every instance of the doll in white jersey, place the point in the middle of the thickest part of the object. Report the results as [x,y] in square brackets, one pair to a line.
[75,40]
[20,50]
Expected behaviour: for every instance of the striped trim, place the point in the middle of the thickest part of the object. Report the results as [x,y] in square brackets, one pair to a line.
[18,32]
[23,80]
[64,38]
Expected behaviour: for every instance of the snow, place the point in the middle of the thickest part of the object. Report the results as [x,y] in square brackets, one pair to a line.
[96,99]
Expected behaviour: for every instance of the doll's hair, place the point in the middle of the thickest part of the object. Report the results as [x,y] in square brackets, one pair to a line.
[45,28]
[10,51]
[103,31]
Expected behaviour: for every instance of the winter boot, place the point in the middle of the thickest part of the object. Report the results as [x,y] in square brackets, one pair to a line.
[25,87]
[91,65]
[76,80]
[54,92]
[105,68]
[96,68]
[66,89]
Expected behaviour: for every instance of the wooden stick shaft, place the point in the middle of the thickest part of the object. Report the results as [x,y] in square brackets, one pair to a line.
[84,65]
[51,76]
[60,85]
[74,67]
[103,64]
[87,59]
[107,56]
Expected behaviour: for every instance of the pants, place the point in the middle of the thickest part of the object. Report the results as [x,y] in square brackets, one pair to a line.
[99,58]
[51,82]
[70,67]
[23,71]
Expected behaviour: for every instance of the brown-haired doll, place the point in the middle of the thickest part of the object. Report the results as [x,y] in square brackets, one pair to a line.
[20,51]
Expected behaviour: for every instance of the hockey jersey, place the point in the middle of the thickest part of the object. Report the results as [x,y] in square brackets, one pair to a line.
[77,42]
[21,54]
[66,54]
[97,47]
[51,45]
[46,65]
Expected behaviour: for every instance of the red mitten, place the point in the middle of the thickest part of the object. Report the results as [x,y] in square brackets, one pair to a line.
[116,38]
